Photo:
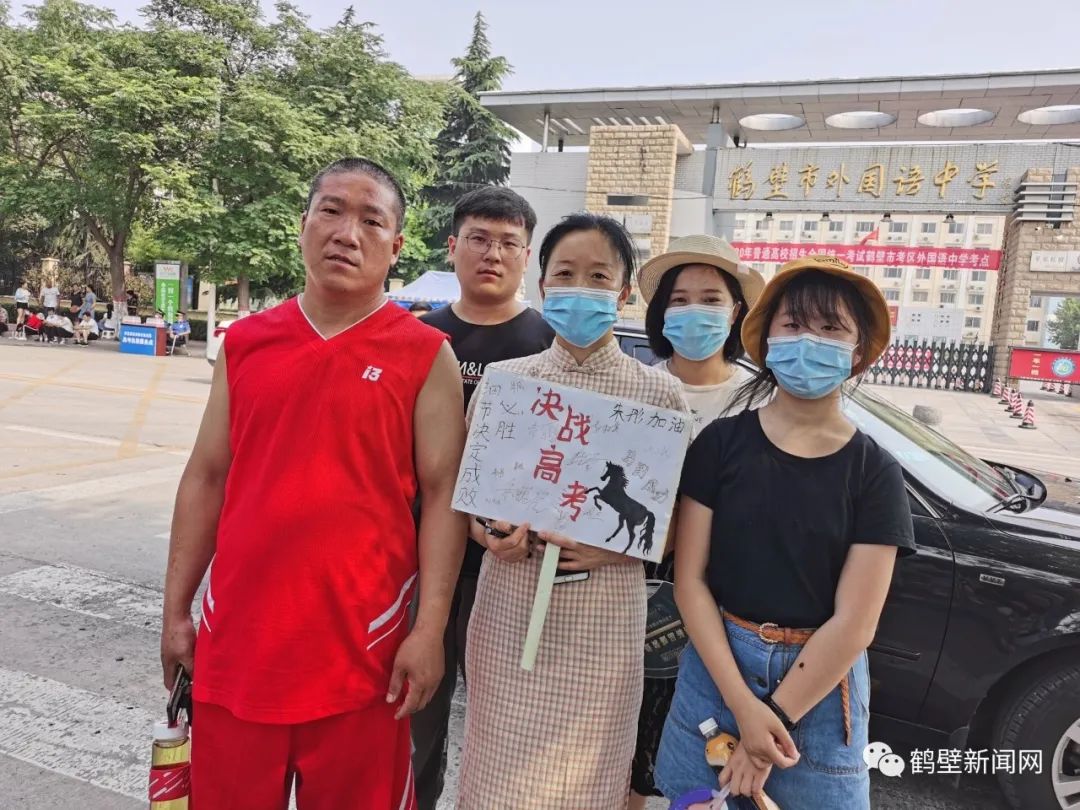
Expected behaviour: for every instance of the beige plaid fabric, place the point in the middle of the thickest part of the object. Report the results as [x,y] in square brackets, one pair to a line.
[562,736]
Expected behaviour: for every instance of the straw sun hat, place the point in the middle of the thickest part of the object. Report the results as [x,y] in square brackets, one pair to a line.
[881,328]
[700,249]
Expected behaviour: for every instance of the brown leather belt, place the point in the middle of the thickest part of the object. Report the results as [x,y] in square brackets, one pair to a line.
[772,633]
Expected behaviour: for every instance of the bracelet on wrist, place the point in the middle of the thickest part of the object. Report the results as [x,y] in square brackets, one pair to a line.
[787,722]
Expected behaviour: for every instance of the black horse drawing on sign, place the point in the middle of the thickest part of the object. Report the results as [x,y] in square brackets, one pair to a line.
[631,513]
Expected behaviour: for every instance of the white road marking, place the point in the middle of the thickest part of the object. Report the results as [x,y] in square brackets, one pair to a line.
[86,438]
[75,733]
[88,593]
[90,488]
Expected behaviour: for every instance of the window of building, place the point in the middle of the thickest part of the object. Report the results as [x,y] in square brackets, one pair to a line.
[920,296]
[975,299]
[951,275]
[894,272]
[762,225]
[1035,302]
[809,226]
[864,227]
[929,227]
[787,224]
[956,227]
[740,223]
[984,228]
[923,273]
[862,270]
[898,227]
[972,323]
[978,275]
[892,295]
[836,227]
[948,298]
[1033,326]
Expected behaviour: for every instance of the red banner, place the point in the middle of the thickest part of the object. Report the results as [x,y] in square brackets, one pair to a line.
[1044,364]
[949,257]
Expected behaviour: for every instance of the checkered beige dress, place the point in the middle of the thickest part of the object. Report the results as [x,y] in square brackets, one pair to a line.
[562,736]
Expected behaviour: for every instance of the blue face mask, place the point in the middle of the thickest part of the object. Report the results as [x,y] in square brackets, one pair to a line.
[808,366]
[697,332]
[580,317]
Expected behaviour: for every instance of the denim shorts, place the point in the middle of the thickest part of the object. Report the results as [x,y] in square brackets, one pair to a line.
[829,774]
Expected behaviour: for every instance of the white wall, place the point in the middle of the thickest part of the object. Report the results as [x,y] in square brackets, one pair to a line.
[554,184]
[687,215]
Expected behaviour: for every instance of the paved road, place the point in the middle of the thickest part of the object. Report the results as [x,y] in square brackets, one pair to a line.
[93,444]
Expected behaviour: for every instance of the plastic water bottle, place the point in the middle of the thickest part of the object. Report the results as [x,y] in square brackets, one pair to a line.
[170,767]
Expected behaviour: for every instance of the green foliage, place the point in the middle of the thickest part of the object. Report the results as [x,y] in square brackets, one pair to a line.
[103,123]
[296,100]
[1064,327]
[473,148]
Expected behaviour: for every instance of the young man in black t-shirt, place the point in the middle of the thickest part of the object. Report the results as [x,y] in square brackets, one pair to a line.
[489,248]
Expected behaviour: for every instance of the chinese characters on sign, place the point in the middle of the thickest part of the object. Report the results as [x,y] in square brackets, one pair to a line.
[1055,261]
[602,470]
[959,177]
[1054,365]
[959,258]
[909,180]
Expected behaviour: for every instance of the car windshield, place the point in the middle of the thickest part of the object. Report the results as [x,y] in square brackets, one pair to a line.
[928,456]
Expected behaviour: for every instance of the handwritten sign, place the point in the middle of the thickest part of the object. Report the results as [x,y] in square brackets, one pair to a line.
[601,470]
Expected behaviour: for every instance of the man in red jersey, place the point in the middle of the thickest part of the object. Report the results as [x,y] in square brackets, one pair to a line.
[327,416]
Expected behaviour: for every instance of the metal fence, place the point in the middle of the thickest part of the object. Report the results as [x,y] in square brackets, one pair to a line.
[943,366]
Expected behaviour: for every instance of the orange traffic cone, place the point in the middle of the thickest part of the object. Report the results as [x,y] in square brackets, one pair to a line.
[1061,387]
[1017,406]
[1029,416]
[996,390]
[1006,396]
[1068,389]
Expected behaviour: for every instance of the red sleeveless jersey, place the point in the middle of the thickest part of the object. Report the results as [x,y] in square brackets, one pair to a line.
[316,558]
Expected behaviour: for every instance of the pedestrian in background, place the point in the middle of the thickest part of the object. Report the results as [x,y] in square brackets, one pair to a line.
[22,308]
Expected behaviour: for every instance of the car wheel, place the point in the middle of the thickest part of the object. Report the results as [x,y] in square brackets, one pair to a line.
[1045,717]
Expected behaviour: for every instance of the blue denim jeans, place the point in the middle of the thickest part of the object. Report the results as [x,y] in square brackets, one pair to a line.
[830,774]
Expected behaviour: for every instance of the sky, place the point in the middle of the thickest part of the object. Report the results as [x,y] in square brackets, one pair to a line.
[557,44]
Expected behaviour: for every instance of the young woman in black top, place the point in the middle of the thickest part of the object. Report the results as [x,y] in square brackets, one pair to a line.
[790,524]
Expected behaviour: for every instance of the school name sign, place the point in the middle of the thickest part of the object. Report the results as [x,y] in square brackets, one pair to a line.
[601,470]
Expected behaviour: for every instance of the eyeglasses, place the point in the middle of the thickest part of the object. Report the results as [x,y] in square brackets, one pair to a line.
[482,244]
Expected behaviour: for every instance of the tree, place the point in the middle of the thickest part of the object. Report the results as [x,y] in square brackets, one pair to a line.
[473,148]
[1064,326]
[104,123]
[295,101]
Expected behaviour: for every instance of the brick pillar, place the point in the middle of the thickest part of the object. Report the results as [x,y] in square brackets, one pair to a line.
[638,161]
[1017,282]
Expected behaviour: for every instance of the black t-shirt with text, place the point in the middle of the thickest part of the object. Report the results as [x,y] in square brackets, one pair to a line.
[475,346]
[782,525]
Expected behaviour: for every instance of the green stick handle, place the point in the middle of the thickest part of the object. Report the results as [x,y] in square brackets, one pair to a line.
[540,606]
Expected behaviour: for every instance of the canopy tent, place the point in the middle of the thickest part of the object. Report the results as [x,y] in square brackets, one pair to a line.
[434,287]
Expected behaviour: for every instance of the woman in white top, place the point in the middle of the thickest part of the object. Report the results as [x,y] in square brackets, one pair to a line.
[22,309]
[698,293]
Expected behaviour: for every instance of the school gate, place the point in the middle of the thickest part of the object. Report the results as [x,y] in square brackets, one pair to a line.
[736,159]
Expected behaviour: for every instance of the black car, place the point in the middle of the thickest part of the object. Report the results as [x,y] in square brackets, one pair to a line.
[978,647]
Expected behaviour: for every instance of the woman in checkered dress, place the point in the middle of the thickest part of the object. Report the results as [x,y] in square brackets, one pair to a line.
[562,736]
